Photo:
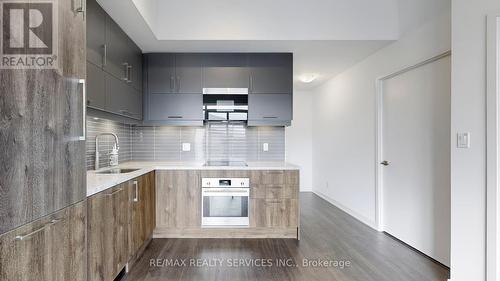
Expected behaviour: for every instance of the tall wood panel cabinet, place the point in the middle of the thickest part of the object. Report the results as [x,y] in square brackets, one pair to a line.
[42,131]
[49,249]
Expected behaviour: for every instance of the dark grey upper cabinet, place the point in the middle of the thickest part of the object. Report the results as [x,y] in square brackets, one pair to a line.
[114,66]
[118,53]
[96,33]
[226,70]
[188,73]
[160,73]
[175,108]
[96,87]
[122,99]
[269,109]
[271,73]
[135,67]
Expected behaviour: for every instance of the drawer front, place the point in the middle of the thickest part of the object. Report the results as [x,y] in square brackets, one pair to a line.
[281,213]
[257,190]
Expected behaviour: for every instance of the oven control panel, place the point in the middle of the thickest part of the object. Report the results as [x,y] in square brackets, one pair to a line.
[225,182]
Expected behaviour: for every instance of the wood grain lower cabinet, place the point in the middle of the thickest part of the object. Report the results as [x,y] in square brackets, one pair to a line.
[142,211]
[49,249]
[274,199]
[108,233]
[178,199]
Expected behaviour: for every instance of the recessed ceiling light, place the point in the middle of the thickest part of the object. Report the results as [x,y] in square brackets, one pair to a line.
[95,118]
[308,78]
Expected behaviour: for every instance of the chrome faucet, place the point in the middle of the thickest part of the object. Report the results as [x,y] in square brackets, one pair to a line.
[116,147]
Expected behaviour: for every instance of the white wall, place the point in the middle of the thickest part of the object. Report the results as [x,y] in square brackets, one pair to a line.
[468,170]
[299,137]
[344,119]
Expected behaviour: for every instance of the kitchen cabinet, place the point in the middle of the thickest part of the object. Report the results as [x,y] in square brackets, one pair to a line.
[142,211]
[174,73]
[51,248]
[274,202]
[122,99]
[114,67]
[269,109]
[268,76]
[271,73]
[174,89]
[135,66]
[225,70]
[118,55]
[174,108]
[108,233]
[188,73]
[160,72]
[96,87]
[43,146]
[178,199]
[96,34]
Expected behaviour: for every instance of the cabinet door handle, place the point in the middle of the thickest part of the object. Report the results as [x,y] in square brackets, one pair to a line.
[125,111]
[178,83]
[270,117]
[251,83]
[172,82]
[84,110]
[24,237]
[136,191]
[81,8]
[115,192]
[274,172]
[125,68]
[105,55]
[175,117]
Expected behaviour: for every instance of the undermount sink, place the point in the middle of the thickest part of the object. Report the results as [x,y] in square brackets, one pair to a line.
[117,171]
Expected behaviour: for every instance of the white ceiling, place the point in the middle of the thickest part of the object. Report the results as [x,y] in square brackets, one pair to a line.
[326,36]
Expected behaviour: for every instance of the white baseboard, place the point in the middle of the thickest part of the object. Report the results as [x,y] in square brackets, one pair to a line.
[349,211]
[306,189]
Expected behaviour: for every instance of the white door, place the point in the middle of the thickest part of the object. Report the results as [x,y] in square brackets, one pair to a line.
[416,145]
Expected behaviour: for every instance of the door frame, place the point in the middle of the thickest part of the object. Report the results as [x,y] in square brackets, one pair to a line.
[379,188]
[493,148]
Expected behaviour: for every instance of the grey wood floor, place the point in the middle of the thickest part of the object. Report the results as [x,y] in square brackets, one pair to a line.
[328,234]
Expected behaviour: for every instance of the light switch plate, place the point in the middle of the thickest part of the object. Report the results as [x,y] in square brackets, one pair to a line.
[463,140]
[186,146]
[265,146]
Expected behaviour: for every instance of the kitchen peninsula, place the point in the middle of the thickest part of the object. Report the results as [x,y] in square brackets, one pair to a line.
[181,204]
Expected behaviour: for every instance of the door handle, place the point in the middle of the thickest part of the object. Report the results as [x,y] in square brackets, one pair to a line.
[385,163]
[84,110]
[125,65]
[136,191]
[24,237]
[81,8]
[115,192]
[178,83]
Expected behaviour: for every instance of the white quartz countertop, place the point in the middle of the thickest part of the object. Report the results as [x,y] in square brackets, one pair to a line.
[100,182]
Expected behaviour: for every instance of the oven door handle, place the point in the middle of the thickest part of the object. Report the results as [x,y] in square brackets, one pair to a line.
[224,192]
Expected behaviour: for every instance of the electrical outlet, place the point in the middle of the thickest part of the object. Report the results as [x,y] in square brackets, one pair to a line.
[186,146]
[265,146]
